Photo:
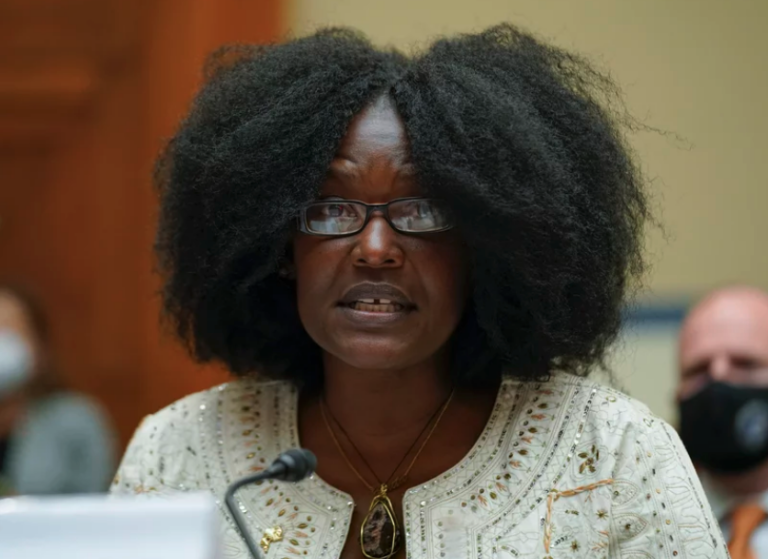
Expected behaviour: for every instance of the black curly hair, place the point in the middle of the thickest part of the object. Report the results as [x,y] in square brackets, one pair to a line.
[522,139]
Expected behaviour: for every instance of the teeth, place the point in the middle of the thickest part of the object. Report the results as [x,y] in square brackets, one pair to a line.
[376,301]
[364,306]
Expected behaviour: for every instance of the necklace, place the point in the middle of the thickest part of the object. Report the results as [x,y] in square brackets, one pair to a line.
[380,535]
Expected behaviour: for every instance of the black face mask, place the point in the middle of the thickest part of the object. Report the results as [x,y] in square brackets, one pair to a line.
[725,427]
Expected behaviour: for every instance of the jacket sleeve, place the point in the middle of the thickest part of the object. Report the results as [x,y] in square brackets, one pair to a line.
[658,505]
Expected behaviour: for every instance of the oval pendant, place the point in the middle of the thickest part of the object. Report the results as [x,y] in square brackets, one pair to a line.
[379,533]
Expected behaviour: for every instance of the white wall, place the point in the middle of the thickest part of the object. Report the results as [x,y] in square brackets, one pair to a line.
[644,364]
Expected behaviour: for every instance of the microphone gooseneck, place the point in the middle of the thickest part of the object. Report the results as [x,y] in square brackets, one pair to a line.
[292,465]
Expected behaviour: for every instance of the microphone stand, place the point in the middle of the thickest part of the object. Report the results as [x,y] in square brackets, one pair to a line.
[293,465]
[237,515]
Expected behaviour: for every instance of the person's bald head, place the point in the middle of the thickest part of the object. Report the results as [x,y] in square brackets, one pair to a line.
[725,339]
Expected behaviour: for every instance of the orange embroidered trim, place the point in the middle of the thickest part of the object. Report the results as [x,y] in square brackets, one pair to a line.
[554,495]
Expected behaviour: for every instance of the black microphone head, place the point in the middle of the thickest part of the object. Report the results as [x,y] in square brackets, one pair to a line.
[294,465]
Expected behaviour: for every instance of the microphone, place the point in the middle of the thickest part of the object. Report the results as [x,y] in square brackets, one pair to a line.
[292,465]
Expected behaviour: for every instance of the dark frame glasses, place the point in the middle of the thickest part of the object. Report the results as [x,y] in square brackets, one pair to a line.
[440,221]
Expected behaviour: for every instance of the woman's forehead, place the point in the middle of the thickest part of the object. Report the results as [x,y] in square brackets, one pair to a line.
[373,160]
[378,130]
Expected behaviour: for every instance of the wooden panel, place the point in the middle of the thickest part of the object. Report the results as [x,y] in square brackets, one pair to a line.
[56,53]
[47,83]
[183,33]
[94,29]
[90,89]
[31,129]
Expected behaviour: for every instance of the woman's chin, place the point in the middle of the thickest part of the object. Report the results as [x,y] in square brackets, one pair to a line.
[375,362]
[380,355]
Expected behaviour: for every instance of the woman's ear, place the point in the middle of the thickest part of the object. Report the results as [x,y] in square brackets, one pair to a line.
[286,269]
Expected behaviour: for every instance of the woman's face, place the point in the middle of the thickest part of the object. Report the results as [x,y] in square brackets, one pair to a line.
[342,281]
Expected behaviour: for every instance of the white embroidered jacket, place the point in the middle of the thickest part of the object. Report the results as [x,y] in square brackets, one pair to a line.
[564,469]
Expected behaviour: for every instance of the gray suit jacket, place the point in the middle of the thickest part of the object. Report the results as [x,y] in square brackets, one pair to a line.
[64,444]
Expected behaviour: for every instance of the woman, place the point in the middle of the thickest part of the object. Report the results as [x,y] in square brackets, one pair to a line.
[52,441]
[411,264]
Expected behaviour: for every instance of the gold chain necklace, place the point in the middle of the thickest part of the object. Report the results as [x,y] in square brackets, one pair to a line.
[380,534]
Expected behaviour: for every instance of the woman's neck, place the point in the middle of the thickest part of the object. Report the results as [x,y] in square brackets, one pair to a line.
[379,403]
[382,415]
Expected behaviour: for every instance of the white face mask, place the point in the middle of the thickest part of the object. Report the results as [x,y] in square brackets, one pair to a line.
[15,362]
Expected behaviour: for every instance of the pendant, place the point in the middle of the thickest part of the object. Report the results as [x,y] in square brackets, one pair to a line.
[379,533]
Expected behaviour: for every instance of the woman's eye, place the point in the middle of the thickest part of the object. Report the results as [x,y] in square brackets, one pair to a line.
[334,210]
[424,209]
[421,210]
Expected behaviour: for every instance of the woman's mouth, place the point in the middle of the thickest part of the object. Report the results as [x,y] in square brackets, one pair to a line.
[376,306]
[369,313]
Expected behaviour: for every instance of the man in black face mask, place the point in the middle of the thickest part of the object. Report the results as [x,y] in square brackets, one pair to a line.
[723,400]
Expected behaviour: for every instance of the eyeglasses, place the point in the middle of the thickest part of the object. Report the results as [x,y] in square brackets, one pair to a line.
[348,217]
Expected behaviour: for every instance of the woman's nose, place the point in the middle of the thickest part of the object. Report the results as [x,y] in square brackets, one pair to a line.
[378,245]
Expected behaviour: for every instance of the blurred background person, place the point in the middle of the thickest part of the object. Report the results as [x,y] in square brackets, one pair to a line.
[52,441]
[723,399]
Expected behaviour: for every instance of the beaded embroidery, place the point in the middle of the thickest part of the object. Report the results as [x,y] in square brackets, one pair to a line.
[497,503]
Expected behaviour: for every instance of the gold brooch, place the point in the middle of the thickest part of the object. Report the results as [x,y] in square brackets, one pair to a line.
[271,535]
